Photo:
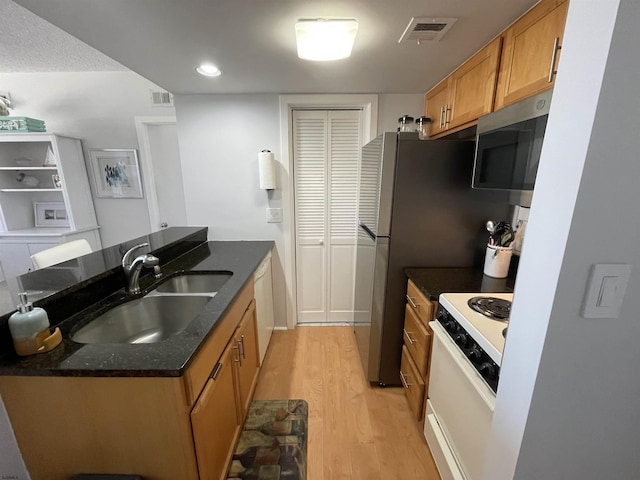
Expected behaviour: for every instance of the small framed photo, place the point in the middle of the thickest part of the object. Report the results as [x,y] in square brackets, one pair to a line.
[50,214]
[116,173]
[56,181]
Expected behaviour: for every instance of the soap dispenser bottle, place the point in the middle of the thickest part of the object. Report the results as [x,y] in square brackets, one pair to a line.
[30,331]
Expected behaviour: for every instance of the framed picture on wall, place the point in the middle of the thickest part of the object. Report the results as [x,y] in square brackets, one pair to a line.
[116,173]
[50,214]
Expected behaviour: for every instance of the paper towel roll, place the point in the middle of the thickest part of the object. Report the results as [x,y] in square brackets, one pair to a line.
[267,169]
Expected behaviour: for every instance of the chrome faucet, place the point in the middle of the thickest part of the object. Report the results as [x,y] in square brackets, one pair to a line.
[132,266]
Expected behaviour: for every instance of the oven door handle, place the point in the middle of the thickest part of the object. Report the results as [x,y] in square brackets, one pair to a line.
[463,364]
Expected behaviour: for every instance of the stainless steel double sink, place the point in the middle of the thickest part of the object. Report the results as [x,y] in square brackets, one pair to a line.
[164,312]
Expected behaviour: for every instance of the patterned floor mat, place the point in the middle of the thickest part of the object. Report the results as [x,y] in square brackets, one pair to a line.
[273,443]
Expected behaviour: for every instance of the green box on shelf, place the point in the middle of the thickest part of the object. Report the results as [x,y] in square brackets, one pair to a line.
[21,124]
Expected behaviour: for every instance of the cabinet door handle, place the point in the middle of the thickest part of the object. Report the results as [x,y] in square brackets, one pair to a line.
[411,302]
[239,359]
[406,334]
[441,116]
[554,56]
[403,379]
[242,346]
[446,115]
[216,370]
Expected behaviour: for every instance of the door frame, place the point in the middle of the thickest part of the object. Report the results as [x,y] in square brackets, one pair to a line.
[146,162]
[368,104]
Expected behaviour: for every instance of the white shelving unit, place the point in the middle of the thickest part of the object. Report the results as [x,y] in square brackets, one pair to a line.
[19,236]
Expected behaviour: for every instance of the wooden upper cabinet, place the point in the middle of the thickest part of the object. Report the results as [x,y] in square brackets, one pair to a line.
[435,106]
[466,94]
[472,86]
[530,52]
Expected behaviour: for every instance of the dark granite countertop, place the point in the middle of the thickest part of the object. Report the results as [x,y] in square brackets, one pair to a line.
[46,284]
[434,281]
[167,358]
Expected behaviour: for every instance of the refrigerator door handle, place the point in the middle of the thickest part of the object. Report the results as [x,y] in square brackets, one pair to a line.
[367,230]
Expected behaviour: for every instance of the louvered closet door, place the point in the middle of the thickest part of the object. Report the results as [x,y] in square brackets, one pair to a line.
[326,156]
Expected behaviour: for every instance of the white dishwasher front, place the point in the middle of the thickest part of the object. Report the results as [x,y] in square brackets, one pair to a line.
[263,286]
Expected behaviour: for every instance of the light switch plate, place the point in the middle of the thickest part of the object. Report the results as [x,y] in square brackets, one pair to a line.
[274,215]
[605,290]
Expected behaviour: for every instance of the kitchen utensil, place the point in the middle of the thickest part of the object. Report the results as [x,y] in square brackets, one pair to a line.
[506,238]
[491,227]
[503,234]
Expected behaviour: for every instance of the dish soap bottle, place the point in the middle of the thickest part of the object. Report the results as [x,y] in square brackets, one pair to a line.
[30,331]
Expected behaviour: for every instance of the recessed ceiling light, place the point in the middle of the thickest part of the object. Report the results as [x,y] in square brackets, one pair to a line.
[208,70]
[323,39]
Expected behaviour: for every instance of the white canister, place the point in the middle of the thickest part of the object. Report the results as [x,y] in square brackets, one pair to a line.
[497,260]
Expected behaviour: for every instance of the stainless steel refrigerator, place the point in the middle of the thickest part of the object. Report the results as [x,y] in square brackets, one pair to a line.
[416,208]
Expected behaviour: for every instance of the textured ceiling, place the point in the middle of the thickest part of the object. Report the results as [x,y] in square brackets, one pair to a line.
[253,42]
[31,44]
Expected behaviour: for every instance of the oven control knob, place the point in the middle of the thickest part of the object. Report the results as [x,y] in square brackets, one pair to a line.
[474,354]
[488,370]
[451,326]
[461,339]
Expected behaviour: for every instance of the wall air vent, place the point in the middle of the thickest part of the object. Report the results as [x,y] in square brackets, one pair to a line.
[161,98]
[426,29]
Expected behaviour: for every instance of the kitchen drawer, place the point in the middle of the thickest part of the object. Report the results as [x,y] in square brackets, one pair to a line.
[424,308]
[201,367]
[417,339]
[413,384]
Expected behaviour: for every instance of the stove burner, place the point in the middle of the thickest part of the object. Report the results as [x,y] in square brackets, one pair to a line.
[491,307]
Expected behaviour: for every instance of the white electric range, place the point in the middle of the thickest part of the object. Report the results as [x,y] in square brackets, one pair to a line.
[485,328]
[463,380]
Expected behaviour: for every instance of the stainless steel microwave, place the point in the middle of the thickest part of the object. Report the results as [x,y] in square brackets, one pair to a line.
[508,146]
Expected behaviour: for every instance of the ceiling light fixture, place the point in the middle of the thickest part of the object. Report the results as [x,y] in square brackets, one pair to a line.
[323,39]
[208,70]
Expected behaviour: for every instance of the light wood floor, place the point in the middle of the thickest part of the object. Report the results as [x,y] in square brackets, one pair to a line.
[355,431]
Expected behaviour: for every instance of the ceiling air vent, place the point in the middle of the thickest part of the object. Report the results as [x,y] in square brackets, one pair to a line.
[426,29]
[160,98]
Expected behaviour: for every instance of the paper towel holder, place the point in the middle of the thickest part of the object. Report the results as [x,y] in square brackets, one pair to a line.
[267,170]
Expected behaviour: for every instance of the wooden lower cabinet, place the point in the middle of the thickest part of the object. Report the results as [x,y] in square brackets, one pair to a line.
[161,428]
[413,383]
[417,339]
[416,351]
[248,358]
[215,420]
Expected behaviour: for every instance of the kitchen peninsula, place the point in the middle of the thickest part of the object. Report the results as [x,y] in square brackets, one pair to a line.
[169,409]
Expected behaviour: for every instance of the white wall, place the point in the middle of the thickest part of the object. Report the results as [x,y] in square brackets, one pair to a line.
[220,137]
[393,106]
[567,406]
[99,108]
